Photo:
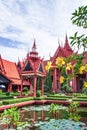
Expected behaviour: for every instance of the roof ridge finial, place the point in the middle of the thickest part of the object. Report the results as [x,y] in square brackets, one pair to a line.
[66,40]
[0,56]
[34,44]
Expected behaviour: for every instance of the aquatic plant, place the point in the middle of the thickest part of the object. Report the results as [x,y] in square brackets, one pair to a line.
[63,124]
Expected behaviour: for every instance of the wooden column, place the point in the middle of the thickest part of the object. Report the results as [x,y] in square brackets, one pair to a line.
[42,92]
[74,85]
[31,87]
[18,88]
[10,87]
[21,86]
[59,85]
[35,79]
[54,81]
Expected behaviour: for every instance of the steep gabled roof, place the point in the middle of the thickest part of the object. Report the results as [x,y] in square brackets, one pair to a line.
[62,51]
[33,63]
[1,66]
[59,53]
[11,71]
[67,46]
[4,79]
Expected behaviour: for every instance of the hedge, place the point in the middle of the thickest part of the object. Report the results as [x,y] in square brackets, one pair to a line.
[80,99]
[59,96]
[39,98]
[1,103]
[12,101]
[5,97]
[56,98]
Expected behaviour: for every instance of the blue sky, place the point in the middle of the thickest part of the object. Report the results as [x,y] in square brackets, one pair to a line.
[47,21]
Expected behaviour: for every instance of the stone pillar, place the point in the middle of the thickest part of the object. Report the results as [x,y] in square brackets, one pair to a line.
[54,81]
[42,92]
[35,79]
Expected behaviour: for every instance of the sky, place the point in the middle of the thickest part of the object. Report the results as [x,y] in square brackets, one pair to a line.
[46,21]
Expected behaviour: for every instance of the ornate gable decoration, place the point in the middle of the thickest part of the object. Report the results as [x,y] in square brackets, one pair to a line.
[28,67]
[40,68]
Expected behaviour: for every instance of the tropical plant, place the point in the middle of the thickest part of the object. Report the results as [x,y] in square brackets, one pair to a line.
[38,94]
[85,87]
[70,67]
[79,18]
[56,109]
[12,118]
[25,91]
[48,82]
[73,111]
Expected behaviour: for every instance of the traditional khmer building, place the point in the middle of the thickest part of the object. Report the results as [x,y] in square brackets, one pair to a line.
[9,76]
[25,74]
[31,70]
[77,82]
[60,52]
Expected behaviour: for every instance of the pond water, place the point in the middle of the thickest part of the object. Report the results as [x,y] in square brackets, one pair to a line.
[38,114]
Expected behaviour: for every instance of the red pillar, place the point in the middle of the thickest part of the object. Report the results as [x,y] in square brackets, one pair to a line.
[59,85]
[10,87]
[21,86]
[35,78]
[31,87]
[86,75]
[74,85]
[42,92]
[18,88]
[54,81]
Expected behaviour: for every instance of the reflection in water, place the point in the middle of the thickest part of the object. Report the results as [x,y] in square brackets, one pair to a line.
[36,114]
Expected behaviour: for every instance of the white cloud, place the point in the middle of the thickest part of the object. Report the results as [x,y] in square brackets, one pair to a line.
[45,20]
[12,54]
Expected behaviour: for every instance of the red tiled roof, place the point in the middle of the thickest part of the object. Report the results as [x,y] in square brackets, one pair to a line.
[11,71]
[16,81]
[65,52]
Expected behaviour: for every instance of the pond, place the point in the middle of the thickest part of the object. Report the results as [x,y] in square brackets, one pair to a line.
[37,115]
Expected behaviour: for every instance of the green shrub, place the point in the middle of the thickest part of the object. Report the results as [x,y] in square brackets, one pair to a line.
[15,94]
[38,94]
[1,103]
[12,101]
[0,91]
[80,99]
[39,98]
[7,94]
[59,96]
[55,98]
[25,89]
[6,97]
